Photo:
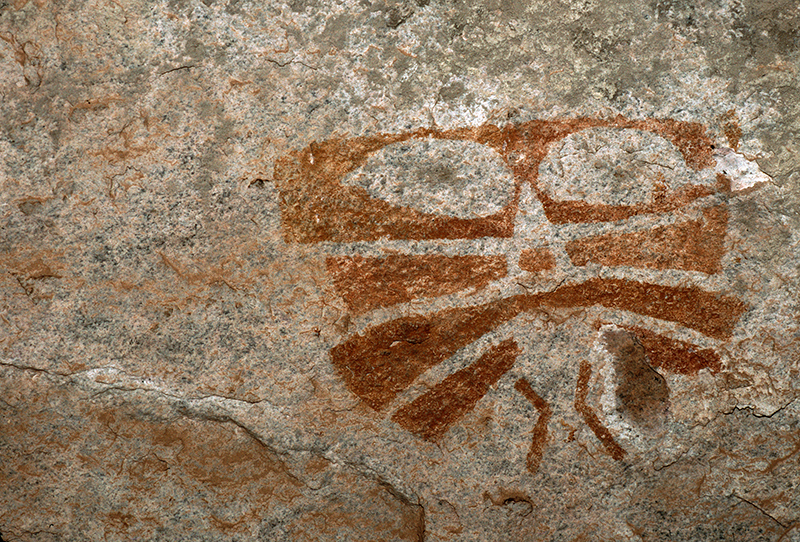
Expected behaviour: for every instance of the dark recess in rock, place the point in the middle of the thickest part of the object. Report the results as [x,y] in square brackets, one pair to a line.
[642,393]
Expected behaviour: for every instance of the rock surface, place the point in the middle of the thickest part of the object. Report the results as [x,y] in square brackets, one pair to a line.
[399,270]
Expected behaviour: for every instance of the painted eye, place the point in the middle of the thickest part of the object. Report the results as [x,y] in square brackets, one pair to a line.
[456,178]
[616,167]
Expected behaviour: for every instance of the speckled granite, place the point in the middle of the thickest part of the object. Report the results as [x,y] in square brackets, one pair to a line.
[399,270]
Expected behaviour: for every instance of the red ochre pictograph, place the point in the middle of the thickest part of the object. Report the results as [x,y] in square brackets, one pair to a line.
[380,363]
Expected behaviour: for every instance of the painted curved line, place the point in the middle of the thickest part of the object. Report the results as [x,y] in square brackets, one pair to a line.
[316,207]
[387,358]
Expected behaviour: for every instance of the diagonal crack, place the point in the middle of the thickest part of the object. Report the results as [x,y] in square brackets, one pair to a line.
[751,503]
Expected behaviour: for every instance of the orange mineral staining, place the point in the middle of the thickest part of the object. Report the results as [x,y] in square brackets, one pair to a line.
[729,123]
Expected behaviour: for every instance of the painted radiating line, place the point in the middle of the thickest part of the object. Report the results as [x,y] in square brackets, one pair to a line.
[384,360]
[539,434]
[370,283]
[591,419]
[431,414]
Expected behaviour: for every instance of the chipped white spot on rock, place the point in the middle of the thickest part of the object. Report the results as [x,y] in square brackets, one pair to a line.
[614,166]
[742,172]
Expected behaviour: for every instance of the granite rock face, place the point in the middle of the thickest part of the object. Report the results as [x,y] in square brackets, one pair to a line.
[399,270]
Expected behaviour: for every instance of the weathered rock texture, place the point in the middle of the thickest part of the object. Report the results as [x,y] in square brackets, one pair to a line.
[399,270]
